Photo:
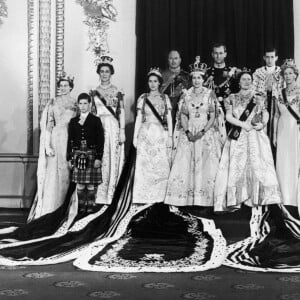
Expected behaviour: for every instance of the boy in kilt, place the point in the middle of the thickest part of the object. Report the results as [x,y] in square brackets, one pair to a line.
[84,153]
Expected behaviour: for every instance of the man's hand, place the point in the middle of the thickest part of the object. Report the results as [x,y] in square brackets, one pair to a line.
[97,163]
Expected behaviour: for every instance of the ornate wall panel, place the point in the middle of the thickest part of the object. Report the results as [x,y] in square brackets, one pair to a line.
[44,52]
[31,57]
[60,37]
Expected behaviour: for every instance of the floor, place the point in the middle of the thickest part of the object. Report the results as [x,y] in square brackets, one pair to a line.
[63,281]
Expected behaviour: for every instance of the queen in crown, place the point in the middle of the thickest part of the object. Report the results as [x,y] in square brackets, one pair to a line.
[197,146]
[53,174]
[109,105]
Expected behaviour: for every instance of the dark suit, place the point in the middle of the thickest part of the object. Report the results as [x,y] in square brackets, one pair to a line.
[91,131]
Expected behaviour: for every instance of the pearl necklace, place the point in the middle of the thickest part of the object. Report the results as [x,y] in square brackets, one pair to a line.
[104,87]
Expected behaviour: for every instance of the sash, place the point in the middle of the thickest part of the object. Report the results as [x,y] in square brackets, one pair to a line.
[156,114]
[288,106]
[102,99]
[235,131]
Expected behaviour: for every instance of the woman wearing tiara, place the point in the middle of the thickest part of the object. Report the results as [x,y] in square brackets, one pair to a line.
[153,237]
[53,174]
[109,104]
[153,141]
[246,172]
[287,136]
[274,244]
[198,150]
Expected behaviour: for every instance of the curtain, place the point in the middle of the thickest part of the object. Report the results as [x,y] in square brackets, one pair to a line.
[247,27]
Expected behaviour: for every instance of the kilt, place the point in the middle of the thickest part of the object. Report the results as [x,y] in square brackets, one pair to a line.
[85,173]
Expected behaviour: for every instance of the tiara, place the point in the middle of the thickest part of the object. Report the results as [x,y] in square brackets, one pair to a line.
[197,66]
[243,70]
[64,76]
[289,62]
[105,59]
[155,71]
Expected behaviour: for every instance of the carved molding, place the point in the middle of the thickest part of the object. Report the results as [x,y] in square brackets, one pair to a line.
[60,36]
[30,70]
[44,53]
[3,10]
[98,15]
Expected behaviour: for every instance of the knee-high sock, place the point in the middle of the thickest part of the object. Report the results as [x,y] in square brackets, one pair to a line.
[82,198]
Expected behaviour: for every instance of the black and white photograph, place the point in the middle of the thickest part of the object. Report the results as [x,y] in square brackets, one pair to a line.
[150,149]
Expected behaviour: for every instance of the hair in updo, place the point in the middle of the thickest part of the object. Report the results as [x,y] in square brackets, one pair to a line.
[112,70]
[71,82]
[289,66]
[239,76]
[160,80]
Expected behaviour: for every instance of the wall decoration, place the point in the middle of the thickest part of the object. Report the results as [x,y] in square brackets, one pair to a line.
[60,37]
[44,53]
[98,13]
[30,70]
[3,10]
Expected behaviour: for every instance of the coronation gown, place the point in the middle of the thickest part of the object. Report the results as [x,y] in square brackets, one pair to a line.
[153,156]
[288,151]
[53,174]
[195,164]
[113,153]
[246,172]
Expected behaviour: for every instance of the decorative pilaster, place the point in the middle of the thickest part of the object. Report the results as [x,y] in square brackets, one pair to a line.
[60,36]
[30,70]
[3,10]
[44,52]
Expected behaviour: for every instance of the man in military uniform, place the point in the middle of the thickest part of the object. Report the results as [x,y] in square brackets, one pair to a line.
[174,80]
[267,80]
[220,77]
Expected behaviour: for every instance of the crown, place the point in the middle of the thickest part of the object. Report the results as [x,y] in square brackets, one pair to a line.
[289,62]
[105,59]
[64,76]
[155,71]
[197,66]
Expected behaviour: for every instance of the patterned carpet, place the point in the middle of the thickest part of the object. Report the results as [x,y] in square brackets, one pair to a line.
[63,281]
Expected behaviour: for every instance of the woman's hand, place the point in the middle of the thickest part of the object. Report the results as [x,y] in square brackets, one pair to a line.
[190,136]
[122,137]
[247,126]
[258,126]
[170,142]
[134,142]
[49,151]
[199,135]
